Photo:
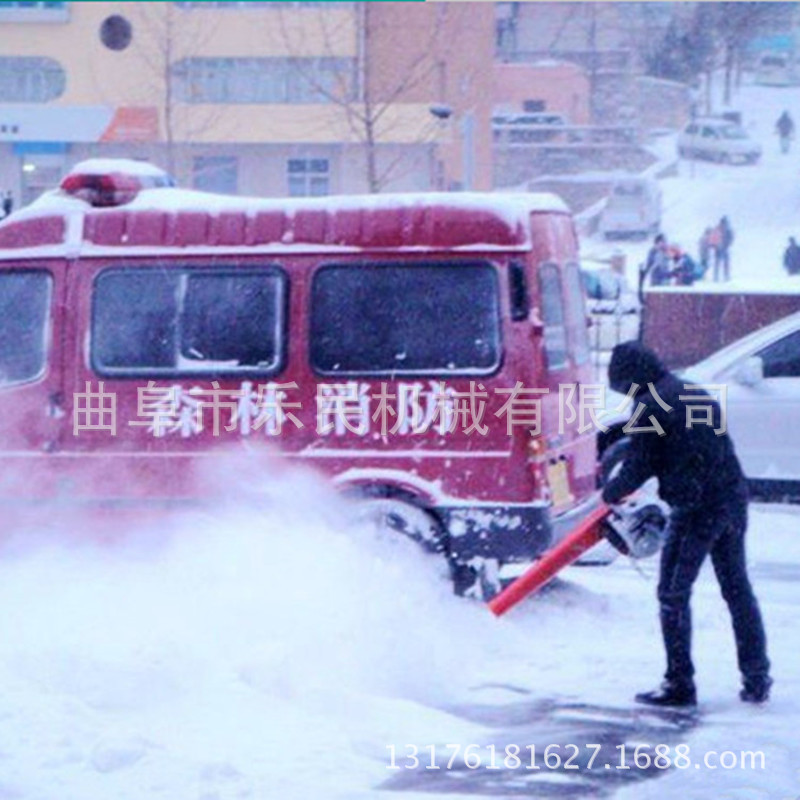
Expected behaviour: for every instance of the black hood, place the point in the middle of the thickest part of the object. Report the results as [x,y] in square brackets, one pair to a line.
[631,363]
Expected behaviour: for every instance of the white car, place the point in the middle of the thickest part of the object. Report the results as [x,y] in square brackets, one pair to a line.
[717,139]
[759,376]
[633,208]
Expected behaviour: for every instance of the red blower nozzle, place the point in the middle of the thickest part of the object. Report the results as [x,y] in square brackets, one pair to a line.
[587,534]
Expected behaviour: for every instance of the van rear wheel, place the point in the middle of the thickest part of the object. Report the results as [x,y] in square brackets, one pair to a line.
[386,507]
[398,515]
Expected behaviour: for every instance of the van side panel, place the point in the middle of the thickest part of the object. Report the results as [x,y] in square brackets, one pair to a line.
[555,243]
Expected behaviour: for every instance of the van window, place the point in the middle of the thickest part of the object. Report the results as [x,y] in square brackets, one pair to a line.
[188,322]
[24,317]
[390,319]
[555,332]
[578,330]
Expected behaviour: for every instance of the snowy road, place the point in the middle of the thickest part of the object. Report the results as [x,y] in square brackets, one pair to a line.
[595,771]
[617,656]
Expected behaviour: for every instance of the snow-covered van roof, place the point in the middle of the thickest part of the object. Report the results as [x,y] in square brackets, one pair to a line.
[143,219]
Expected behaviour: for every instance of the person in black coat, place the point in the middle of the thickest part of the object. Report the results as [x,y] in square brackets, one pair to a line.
[724,248]
[700,478]
[785,129]
[791,257]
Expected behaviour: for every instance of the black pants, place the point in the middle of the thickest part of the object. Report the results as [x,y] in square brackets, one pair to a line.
[722,265]
[693,534]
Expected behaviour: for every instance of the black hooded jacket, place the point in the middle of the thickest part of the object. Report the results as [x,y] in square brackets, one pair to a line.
[694,465]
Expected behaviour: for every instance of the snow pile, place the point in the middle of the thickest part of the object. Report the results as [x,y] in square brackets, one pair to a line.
[259,645]
[272,649]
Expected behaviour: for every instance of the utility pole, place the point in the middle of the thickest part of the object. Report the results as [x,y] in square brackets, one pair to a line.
[592,45]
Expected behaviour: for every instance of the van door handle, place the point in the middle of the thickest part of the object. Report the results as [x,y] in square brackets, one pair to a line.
[55,405]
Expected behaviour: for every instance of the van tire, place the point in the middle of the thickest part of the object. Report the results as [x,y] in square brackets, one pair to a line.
[400,511]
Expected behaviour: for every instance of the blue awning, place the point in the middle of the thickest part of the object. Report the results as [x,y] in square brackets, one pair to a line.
[39,148]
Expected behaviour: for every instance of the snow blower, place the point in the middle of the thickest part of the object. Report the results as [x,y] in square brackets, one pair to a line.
[634,529]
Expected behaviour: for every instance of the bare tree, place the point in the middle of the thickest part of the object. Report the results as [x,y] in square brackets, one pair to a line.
[368,97]
[169,38]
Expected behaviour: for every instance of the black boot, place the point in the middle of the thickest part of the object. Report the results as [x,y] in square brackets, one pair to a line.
[670,694]
[756,689]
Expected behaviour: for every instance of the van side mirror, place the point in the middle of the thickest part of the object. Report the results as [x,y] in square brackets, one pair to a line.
[750,372]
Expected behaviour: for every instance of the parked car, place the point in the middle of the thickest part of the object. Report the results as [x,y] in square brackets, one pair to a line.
[613,307]
[757,381]
[718,139]
[633,208]
[777,69]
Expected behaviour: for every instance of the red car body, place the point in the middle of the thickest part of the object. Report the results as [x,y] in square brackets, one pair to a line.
[167,300]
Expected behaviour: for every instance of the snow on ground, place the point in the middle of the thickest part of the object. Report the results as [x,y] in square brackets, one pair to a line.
[273,650]
[761,201]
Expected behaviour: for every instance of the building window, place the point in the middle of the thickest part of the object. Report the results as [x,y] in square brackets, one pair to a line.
[188,322]
[263,80]
[218,174]
[30,80]
[116,32]
[309,177]
[34,12]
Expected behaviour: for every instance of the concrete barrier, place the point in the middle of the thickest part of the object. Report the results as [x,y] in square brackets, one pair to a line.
[684,327]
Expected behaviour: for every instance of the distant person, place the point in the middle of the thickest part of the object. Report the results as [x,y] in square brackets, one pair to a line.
[8,204]
[722,264]
[785,130]
[657,266]
[714,243]
[791,257]
[705,250]
[686,270]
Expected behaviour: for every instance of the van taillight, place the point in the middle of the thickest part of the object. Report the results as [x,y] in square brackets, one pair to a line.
[536,448]
[113,189]
[537,461]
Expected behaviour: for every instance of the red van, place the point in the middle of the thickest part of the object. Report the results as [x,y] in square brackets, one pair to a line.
[411,347]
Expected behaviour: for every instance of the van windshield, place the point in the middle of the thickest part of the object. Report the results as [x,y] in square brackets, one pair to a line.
[390,319]
[24,314]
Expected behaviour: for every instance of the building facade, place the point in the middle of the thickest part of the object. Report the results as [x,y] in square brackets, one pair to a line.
[262,98]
